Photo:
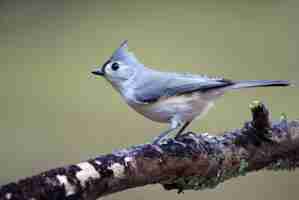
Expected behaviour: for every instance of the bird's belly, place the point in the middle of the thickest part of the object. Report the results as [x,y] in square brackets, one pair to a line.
[185,107]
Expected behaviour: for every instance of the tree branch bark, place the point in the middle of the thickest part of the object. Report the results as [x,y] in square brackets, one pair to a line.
[193,161]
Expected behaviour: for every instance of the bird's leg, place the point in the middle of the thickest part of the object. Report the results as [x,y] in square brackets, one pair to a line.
[174,125]
[182,129]
[162,136]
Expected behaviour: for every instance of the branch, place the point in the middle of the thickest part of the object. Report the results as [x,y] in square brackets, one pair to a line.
[192,161]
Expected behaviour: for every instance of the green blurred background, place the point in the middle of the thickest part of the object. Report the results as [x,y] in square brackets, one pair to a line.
[53,112]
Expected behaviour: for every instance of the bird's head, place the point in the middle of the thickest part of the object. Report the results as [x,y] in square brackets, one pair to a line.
[120,68]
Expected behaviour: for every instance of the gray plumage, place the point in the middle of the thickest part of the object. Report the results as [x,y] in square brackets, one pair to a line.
[174,98]
[165,84]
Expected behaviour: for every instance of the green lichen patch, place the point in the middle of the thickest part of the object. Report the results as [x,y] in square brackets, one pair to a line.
[210,182]
[281,164]
[195,183]
[255,105]
[243,167]
[283,117]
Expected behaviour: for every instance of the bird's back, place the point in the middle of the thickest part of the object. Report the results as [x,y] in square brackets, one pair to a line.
[151,85]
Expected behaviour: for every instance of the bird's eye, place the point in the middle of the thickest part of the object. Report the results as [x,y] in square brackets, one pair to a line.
[115,66]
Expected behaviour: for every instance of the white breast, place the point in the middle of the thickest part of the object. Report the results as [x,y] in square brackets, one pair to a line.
[185,107]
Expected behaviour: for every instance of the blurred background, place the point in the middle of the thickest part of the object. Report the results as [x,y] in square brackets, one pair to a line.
[53,112]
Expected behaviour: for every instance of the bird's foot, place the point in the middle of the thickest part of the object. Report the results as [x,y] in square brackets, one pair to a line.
[174,125]
[159,139]
[162,137]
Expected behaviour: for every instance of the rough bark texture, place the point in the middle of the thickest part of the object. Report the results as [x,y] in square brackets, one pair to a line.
[193,161]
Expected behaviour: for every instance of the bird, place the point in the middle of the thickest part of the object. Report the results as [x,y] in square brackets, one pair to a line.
[168,97]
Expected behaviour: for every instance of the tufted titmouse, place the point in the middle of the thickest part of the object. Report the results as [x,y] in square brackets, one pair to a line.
[166,97]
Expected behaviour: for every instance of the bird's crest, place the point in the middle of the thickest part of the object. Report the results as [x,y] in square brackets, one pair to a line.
[124,55]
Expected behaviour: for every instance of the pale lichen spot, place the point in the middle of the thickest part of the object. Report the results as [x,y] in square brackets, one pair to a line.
[87,172]
[157,148]
[98,162]
[220,138]
[8,195]
[210,136]
[204,134]
[118,170]
[69,188]
[130,160]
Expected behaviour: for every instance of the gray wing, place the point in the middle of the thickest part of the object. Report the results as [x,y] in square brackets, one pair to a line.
[172,84]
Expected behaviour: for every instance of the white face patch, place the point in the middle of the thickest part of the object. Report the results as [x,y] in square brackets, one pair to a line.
[118,170]
[87,172]
[69,188]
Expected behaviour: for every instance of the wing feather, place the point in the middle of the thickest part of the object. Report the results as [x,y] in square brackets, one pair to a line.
[158,86]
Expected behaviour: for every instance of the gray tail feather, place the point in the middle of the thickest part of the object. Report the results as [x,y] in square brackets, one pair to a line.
[259,83]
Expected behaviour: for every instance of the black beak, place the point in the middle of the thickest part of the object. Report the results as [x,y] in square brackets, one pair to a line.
[101,71]
[98,72]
